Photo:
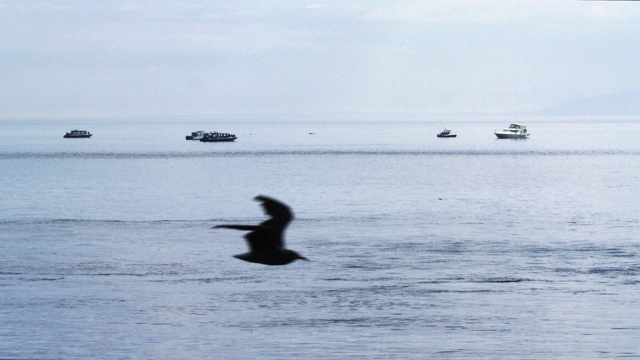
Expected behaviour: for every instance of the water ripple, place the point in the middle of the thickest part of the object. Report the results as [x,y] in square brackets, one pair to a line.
[311,152]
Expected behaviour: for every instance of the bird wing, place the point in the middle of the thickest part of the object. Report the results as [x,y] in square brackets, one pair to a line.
[237,227]
[280,216]
[259,238]
[268,235]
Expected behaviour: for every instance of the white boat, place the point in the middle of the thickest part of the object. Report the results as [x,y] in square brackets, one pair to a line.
[197,135]
[446,133]
[514,131]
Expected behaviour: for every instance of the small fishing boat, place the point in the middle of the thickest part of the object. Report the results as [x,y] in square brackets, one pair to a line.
[196,135]
[77,134]
[218,137]
[446,133]
[514,131]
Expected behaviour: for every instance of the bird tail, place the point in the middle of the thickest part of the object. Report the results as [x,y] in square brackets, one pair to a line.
[237,227]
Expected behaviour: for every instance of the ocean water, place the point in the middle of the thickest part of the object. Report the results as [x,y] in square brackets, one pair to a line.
[420,247]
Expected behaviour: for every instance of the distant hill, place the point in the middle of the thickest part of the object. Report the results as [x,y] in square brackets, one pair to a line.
[625,103]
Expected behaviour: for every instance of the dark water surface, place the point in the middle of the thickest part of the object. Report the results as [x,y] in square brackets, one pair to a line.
[421,247]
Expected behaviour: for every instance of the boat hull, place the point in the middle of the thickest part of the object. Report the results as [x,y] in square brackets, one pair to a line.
[447,136]
[511,136]
[218,139]
[77,136]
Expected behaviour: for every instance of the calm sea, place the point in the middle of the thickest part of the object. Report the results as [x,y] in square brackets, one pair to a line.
[420,247]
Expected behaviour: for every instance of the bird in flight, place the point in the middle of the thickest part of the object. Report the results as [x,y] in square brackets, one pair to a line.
[266,243]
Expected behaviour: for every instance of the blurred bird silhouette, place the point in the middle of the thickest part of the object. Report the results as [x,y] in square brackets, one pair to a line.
[265,240]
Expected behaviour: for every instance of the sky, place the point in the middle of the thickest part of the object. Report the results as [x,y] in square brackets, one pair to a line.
[121,59]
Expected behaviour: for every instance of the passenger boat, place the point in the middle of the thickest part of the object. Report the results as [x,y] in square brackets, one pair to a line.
[196,135]
[446,133]
[217,137]
[514,131]
[78,134]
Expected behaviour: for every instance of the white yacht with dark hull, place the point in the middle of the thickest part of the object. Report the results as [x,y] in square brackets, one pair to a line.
[514,131]
[446,133]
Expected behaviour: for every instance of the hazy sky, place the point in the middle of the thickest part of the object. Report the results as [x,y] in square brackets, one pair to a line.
[123,59]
